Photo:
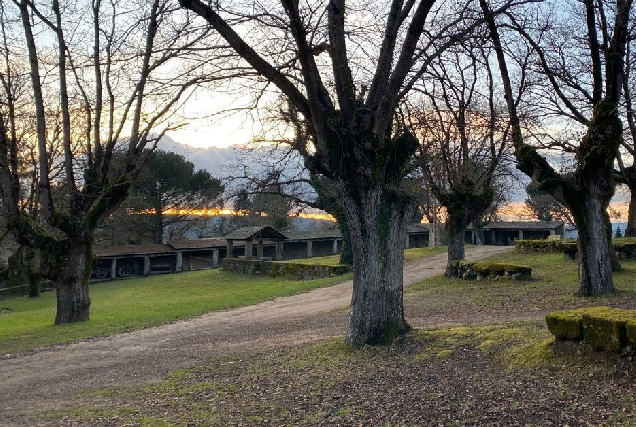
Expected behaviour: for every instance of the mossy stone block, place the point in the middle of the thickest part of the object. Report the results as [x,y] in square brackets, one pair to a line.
[604,332]
[565,325]
[630,331]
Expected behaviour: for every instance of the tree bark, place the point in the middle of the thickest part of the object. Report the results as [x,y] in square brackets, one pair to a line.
[630,231]
[72,265]
[377,226]
[456,250]
[595,261]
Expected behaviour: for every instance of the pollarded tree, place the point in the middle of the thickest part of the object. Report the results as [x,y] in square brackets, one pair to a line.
[463,138]
[627,159]
[101,74]
[344,67]
[583,75]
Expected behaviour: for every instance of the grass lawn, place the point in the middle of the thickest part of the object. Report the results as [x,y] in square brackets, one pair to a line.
[122,305]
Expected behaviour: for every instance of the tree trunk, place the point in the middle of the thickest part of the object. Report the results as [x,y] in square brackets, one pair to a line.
[71,281]
[456,250]
[594,257]
[158,224]
[377,227]
[630,231]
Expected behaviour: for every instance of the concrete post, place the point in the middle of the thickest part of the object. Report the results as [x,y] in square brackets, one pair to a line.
[179,266]
[248,249]
[335,247]
[279,251]
[310,249]
[259,249]
[215,258]
[407,241]
[146,265]
[230,249]
[113,268]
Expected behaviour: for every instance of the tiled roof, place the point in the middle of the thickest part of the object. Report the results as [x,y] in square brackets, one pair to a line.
[255,232]
[524,225]
[315,235]
[124,250]
[198,243]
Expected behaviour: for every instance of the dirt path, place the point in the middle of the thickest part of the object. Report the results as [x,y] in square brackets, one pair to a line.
[48,379]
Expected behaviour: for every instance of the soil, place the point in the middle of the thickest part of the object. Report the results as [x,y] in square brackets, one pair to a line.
[52,379]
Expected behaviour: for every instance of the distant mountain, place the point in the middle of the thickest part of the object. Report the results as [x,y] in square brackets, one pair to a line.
[217,161]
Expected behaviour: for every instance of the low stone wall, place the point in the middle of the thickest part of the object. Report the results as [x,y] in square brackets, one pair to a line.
[490,270]
[603,328]
[625,250]
[283,269]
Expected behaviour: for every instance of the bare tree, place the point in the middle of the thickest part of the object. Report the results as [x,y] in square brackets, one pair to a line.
[94,84]
[627,158]
[374,53]
[463,138]
[583,80]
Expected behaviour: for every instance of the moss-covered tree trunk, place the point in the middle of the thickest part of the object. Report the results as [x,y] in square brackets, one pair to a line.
[464,205]
[69,266]
[377,228]
[456,250]
[594,239]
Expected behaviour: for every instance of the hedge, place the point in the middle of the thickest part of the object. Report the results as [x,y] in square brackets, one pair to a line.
[603,328]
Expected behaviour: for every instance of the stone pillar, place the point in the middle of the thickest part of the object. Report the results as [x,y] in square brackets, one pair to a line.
[310,249]
[146,265]
[335,247]
[113,268]
[407,242]
[259,249]
[230,249]
[248,249]
[279,250]
[179,266]
[215,258]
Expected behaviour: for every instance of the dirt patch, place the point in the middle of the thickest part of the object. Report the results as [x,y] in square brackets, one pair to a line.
[50,379]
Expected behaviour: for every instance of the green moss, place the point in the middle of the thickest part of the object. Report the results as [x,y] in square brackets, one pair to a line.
[566,325]
[603,328]
[630,331]
[604,333]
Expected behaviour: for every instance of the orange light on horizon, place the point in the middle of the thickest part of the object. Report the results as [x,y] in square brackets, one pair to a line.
[230,212]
